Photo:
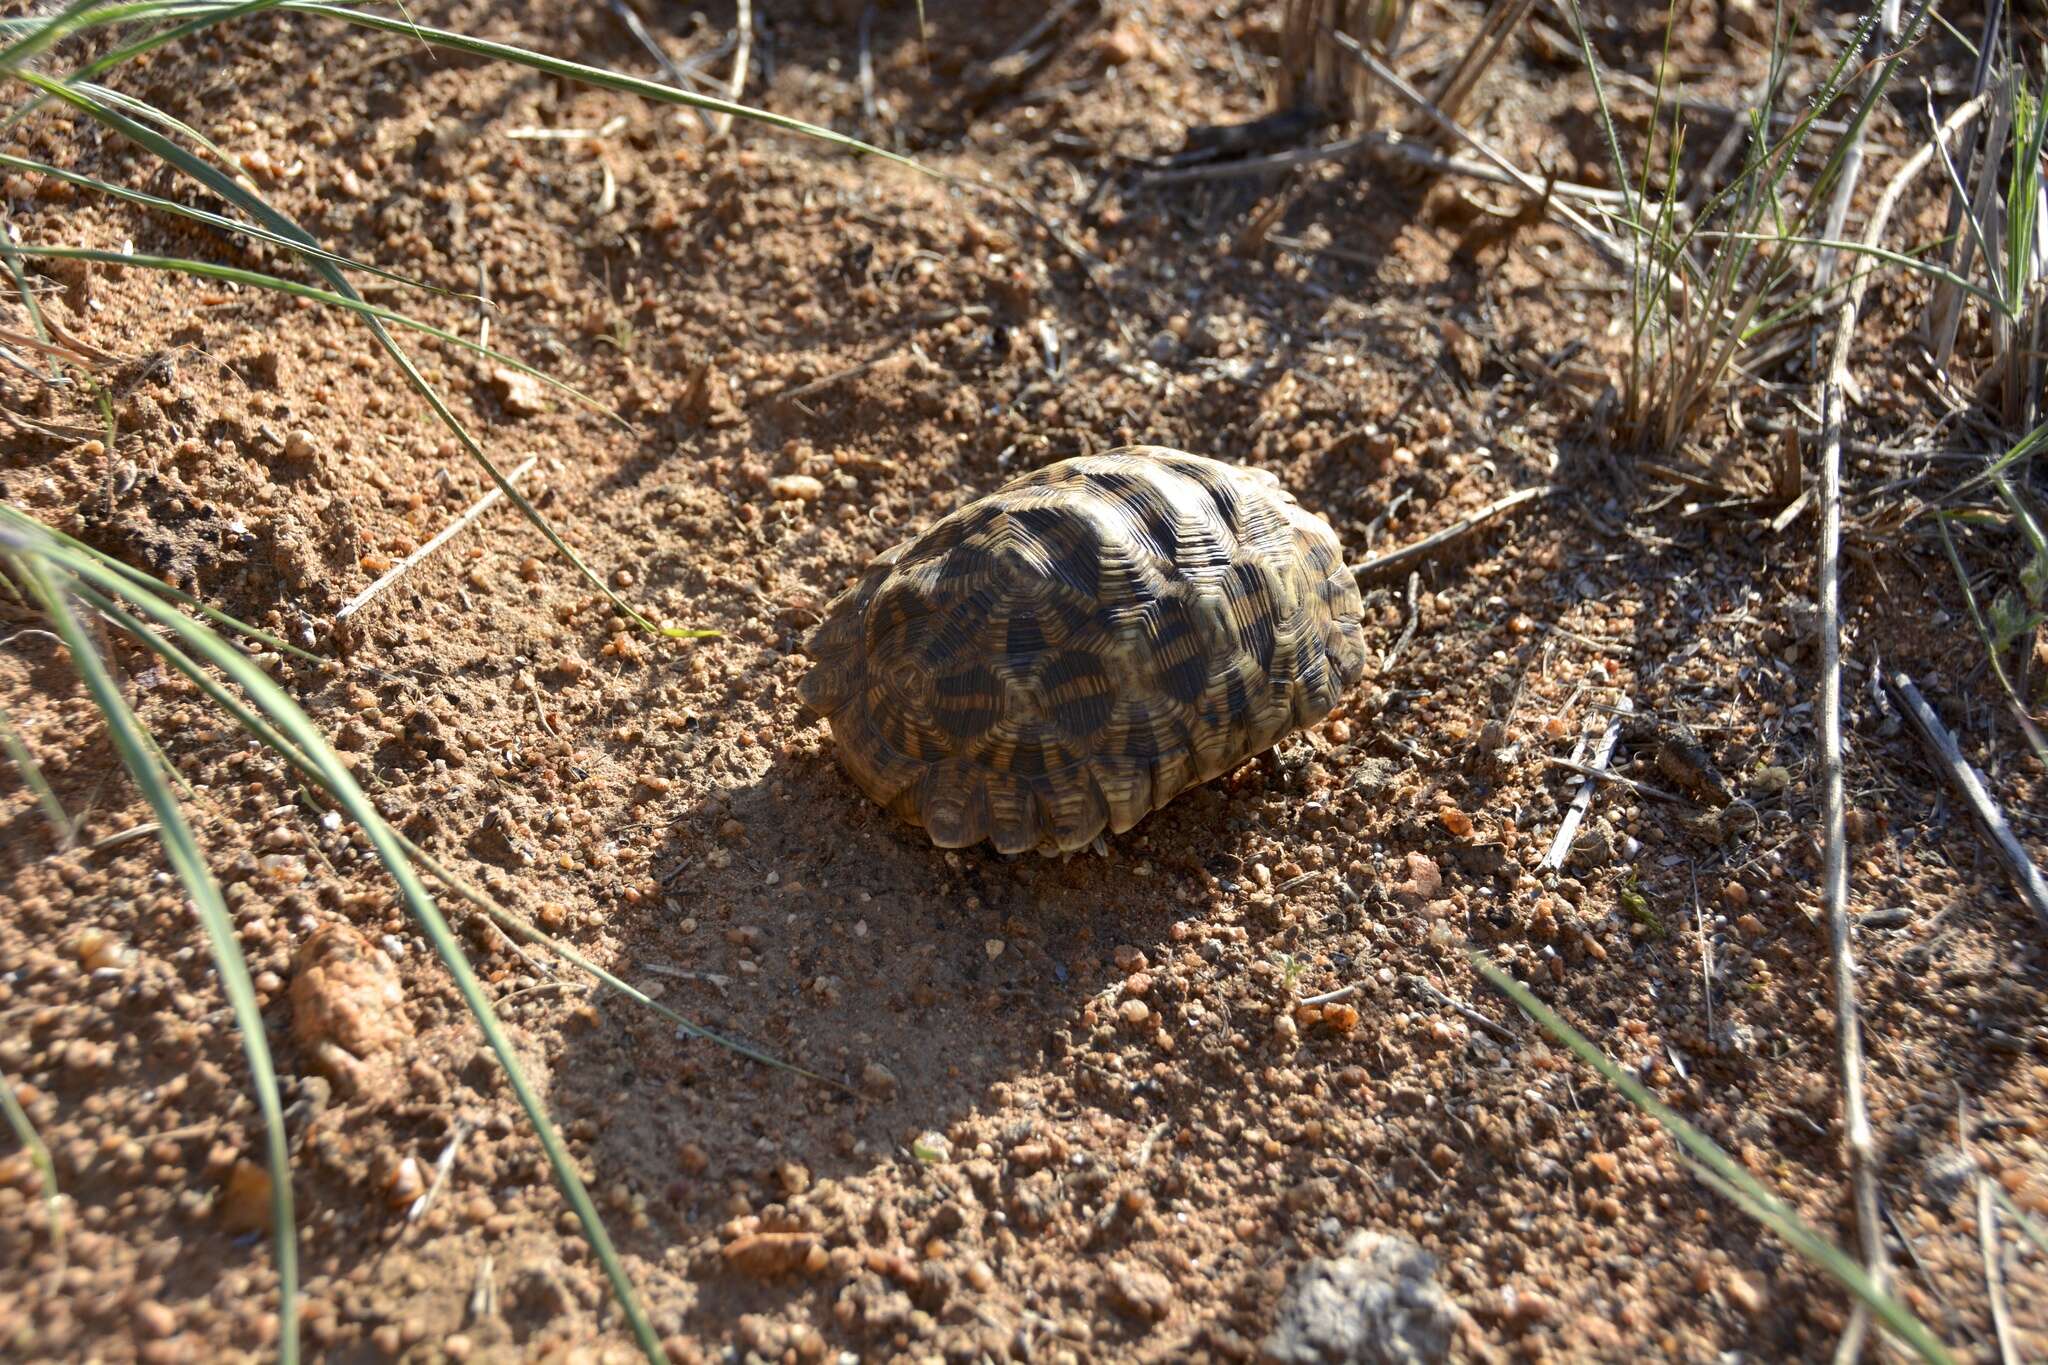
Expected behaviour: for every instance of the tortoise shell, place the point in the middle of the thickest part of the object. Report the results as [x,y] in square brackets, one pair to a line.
[1070,652]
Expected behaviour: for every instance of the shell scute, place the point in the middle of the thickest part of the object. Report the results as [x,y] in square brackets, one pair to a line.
[1067,654]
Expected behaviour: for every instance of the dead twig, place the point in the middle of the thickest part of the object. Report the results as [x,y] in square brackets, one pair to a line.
[1994,1275]
[1091,267]
[1699,921]
[447,533]
[1857,1140]
[1603,775]
[824,382]
[1331,997]
[1395,559]
[2026,877]
[1561,846]
[442,1165]
[1470,1015]
[83,357]
[742,58]
[1408,631]
[867,65]
[483,1293]
[1616,254]
[1339,150]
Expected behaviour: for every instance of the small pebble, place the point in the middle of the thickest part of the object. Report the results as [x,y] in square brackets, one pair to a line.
[795,488]
[518,391]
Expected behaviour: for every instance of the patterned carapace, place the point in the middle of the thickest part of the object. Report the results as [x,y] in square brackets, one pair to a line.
[1072,651]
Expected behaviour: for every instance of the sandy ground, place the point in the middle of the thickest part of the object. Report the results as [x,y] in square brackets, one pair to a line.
[1082,1112]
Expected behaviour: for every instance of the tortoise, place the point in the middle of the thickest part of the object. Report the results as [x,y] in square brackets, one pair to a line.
[1070,652]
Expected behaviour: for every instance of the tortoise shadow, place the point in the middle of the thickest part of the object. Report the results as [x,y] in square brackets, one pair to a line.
[920,987]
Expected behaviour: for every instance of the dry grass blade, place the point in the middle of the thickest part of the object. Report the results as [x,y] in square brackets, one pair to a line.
[442,537]
[742,58]
[1857,1140]
[1315,74]
[1994,1275]
[1614,252]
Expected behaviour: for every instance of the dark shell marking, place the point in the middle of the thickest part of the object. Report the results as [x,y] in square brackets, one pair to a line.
[1069,653]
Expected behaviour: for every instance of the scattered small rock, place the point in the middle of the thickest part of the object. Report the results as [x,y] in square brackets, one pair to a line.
[795,488]
[1377,1304]
[1425,882]
[1210,335]
[518,391]
[1373,776]
[769,1255]
[245,1198]
[878,1081]
[1139,1291]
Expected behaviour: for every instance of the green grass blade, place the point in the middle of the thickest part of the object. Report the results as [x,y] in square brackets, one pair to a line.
[121,56]
[1903,259]
[181,850]
[1632,209]
[1728,1175]
[141,109]
[593,76]
[506,52]
[136,577]
[39,1156]
[290,721]
[40,33]
[255,279]
[219,222]
[231,189]
[32,777]
[266,734]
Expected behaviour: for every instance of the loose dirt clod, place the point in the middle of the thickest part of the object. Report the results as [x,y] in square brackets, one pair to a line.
[348,1005]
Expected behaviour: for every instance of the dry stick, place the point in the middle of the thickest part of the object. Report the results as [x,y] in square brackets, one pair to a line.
[1616,255]
[721,123]
[1602,775]
[398,570]
[1386,144]
[677,76]
[1257,165]
[1699,920]
[1566,832]
[1994,1277]
[2026,877]
[1857,1141]
[1408,149]
[1471,1016]
[1091,267]
[867,65]
[1395,559]
[1408,631]
[1332,997]
[824,382]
